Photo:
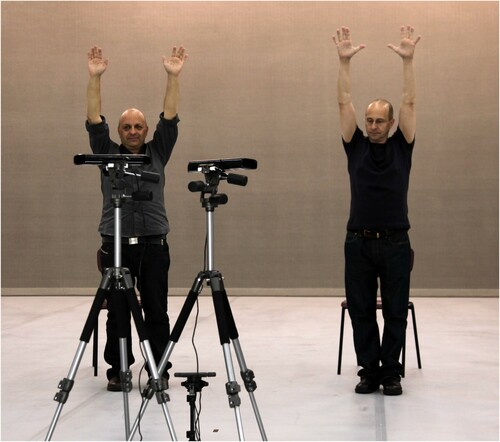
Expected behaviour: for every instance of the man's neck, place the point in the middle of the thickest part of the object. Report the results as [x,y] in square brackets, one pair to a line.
[140,150]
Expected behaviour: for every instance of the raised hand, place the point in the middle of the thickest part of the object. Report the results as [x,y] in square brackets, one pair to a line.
[173,64]
[97,64]
[344,44]
[406,48]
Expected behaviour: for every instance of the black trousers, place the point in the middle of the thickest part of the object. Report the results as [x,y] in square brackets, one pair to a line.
[368,261]
[148,265]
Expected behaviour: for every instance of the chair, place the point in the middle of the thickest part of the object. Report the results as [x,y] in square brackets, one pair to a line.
[411,307]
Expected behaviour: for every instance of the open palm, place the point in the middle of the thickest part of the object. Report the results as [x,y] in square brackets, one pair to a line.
[97,65]
[406,48]
[173,64]
[345,48]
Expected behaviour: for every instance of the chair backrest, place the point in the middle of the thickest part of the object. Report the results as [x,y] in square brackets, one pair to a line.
[412,258]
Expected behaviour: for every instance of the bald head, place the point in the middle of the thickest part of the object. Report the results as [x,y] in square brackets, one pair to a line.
[383,103]
[133,129]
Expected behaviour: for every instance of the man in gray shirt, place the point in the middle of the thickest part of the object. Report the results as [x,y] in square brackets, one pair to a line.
[144,224]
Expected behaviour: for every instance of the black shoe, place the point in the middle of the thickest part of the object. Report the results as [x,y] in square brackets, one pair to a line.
[164,377]
[114,384]
[163,382]
[367,385]
[392,386]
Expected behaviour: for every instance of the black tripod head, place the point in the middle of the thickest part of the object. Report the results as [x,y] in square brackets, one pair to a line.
[215,171]
[116,166]
[194,382]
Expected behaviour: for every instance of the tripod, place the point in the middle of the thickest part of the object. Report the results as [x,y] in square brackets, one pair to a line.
[194,384]
[124,297]
[214,172]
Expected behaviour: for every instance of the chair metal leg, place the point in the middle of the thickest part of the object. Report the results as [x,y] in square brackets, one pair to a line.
[412,309]
[95,349]
[403,357]
[342,320]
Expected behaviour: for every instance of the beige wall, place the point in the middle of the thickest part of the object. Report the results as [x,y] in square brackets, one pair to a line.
[260,83]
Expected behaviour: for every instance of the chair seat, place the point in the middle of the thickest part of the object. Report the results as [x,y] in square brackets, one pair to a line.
[379,304]
[105,304]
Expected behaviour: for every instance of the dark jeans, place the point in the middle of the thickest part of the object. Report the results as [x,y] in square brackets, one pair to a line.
[368,261]
[148,265]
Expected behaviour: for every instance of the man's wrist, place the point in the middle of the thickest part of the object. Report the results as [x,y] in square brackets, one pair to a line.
[171,76]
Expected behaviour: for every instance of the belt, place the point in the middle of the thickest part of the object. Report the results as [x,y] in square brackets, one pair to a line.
[153,239]
[375,234]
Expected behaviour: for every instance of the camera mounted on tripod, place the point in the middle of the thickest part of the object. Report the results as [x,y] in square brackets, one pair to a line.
[116,166]
[215,171]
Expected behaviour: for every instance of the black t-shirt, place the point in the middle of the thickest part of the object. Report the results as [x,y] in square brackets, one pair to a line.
[379,177]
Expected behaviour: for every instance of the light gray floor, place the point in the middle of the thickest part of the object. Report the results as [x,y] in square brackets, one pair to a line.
[290,343]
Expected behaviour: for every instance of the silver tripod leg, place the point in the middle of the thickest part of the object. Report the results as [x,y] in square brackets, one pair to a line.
[233,389]
[65,385]
[161,396]
[174,337]
[145,400]
[227,333]
[125,377]
[249,384]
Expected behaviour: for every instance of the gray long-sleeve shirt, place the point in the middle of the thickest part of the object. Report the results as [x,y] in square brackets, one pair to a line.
[138,218]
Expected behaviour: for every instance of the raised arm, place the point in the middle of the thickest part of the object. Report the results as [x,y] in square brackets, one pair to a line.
[345,51]
[406,50]
[173,66]
[97,65]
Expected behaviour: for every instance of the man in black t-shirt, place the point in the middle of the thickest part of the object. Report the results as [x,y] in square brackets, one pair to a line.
[144,224]
[377,246]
